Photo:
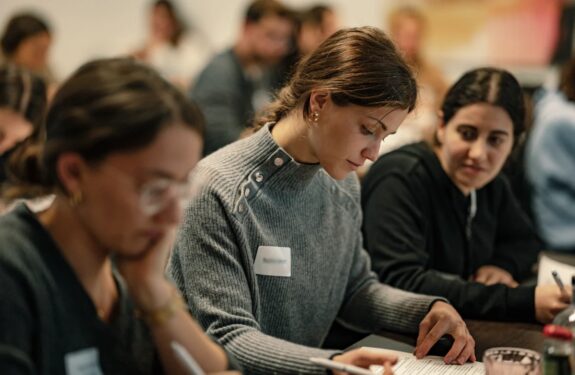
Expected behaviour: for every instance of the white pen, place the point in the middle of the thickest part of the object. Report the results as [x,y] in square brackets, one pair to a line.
[338,366]
[186,359]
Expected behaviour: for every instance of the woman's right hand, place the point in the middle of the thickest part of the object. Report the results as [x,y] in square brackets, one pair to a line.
[365,357]
[549,301]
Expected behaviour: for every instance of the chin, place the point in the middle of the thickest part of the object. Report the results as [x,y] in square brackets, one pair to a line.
[132,253]
[337,174]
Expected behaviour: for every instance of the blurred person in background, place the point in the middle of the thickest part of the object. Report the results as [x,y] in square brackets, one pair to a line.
[116,148]
[312,26]
[26,42]
[550,162]
[234,83]
[442,219]
[171,48]
[22,105]
[316,24]
[407,26]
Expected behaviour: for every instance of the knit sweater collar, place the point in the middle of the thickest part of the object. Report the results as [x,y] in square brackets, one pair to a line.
[278,162]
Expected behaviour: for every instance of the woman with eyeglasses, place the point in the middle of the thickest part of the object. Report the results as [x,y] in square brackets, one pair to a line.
[270,253]
[83,285]
[442,220]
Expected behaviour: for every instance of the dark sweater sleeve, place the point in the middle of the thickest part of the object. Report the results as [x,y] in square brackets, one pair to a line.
[16,326]
[372,306]
[395,231]
[516,245]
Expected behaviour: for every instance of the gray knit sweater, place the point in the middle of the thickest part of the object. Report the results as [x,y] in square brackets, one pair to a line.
[252,193]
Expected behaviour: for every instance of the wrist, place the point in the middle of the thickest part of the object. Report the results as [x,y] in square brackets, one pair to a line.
[149,294]
[157,314]
[436,300]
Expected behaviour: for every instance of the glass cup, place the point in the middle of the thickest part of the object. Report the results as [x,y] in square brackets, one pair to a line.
[512,361]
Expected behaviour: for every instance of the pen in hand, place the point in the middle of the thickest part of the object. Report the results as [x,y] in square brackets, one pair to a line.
[559,283]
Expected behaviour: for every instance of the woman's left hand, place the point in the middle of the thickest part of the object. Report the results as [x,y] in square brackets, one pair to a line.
[490,275]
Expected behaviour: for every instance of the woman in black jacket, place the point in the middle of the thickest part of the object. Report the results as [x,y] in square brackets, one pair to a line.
[441,220]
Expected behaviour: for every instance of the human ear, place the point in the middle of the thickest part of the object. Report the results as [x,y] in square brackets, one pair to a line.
[318,100]
[70,169]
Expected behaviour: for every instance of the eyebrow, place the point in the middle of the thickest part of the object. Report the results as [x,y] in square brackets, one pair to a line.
[383,126]
[155,173]
[497,131]
[500,132]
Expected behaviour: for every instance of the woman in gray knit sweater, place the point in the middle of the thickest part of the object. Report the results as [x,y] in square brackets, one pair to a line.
[270,252]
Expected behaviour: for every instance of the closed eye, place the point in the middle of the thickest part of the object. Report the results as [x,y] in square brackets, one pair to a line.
[366,131]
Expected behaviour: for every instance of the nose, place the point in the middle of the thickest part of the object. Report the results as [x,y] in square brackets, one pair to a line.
[372,151]
[171,213]
[478,150]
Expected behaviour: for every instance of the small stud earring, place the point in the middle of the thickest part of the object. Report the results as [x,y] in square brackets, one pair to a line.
[315,117]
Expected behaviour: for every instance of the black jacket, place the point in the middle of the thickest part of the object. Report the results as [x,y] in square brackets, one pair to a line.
[415,229]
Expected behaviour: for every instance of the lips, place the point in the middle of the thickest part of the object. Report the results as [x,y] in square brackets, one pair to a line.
[356,165]
[153,235]
[473,168]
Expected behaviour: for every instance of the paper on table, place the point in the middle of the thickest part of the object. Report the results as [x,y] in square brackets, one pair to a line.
[548,265]
[408,364]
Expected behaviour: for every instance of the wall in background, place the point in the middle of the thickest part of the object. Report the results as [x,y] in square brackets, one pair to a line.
[462,33]
[86,29]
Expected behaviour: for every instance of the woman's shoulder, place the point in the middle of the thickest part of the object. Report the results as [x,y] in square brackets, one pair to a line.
[15,222]
[20,236]
[410,168]
[225,170]
[404,161]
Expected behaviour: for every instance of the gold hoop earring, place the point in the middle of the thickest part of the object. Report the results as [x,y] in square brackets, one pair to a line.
[75,199]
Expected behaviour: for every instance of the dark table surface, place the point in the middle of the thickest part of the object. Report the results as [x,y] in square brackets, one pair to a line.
[487,334]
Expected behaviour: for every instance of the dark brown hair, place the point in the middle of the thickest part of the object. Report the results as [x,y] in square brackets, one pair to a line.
[259,9]
[19,28]
[178,24]
[488,85]
[106,106]
[567,81]
[314,15]
[357,66]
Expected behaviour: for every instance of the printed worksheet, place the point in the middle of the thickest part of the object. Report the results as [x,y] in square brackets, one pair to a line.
[548,265]
[408,364]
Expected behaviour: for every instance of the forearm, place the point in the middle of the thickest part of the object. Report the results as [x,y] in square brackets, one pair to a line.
[169,321]
[259,353]
[378,306]
[478,301]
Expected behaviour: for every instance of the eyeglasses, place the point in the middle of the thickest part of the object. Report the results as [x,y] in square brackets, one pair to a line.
[157,194]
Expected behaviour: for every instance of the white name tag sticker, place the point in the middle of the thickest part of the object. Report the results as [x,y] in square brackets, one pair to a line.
[83,362]
[273,261]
